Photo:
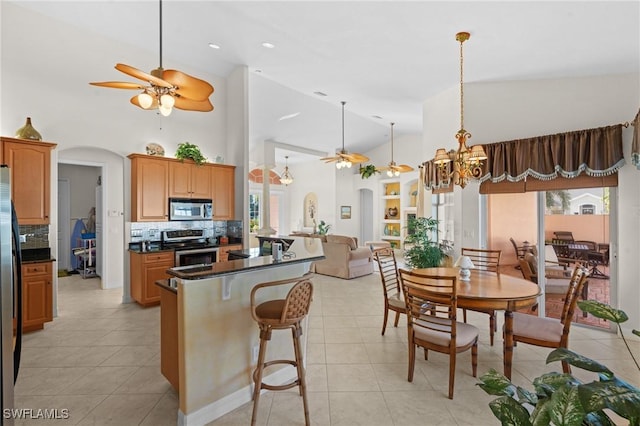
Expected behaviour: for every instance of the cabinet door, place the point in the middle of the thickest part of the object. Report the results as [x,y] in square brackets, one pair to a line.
[223,192]
[153,273]
[149,190]
[179,180]
[201,181]
[37,295]
[30,180]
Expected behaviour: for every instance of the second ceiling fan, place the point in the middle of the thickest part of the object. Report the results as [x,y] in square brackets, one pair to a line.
[392,168]
[164,89]
[342,157]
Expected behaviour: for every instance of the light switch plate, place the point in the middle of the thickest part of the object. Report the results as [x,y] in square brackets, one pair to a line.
[226,289]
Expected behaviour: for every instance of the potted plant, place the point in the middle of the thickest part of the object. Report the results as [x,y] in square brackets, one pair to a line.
[323,228]
[562,399]
[367,171]
[190,151]
[423,252]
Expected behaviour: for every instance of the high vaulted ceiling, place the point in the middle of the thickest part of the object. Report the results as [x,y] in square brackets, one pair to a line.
[384,58]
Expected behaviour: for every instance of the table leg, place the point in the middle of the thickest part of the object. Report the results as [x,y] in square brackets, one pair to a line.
[508,343]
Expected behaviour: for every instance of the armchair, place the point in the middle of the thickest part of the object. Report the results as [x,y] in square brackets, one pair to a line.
[343,258]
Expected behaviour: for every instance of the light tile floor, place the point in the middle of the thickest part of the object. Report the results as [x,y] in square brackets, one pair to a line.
[100,360]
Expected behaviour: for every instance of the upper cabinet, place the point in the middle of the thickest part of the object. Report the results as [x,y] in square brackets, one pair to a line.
[189,180]
[30,165]
[223,183]
[149,188]
[155,179]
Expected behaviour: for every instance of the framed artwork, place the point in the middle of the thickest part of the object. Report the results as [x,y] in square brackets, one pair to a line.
[345,212]
[310,209]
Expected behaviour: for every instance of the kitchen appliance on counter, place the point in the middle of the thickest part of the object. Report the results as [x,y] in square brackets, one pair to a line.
[10,296]
[190,209]
[191,247]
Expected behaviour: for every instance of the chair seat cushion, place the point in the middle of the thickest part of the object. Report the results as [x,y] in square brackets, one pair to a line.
[539,328]
[466,333]
[397,301]
[271,309]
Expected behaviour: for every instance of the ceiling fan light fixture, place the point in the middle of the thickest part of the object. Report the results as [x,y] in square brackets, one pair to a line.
[165,111]
[167,101]
[145,100]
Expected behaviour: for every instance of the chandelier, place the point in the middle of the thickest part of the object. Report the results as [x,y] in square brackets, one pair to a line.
[286,178]
[467,162]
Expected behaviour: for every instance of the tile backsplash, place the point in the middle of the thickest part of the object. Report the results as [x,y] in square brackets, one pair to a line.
[142,231]
[35,236]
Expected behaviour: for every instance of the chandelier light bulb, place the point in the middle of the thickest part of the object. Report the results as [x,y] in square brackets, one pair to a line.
[167,101]
[145,100]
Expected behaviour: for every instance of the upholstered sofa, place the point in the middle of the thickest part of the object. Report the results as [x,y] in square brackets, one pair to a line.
[343,257]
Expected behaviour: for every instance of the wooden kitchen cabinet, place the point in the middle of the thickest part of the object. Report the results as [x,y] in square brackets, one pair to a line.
[30,165]
[223,252]
[146,269]
[223,183]
[149,188]
[37,295]
[189,180]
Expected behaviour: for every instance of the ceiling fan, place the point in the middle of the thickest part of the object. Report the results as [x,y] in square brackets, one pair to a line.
[342,157]
[164,89]
[392,168]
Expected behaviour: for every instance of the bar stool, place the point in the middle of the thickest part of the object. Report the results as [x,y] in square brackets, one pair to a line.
[281,314]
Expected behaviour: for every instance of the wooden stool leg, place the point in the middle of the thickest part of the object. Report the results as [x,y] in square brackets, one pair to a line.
[297,332]
[265,336]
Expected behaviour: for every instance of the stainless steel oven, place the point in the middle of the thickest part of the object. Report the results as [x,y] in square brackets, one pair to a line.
[196,256]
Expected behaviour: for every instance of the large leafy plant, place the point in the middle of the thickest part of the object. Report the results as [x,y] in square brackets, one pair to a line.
[422,251]
[562,399]
[188,150]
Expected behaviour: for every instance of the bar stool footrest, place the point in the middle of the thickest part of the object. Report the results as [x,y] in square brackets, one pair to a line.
[276,387]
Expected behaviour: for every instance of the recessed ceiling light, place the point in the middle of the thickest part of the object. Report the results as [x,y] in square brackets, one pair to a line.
[377,116]
[268,45]
[287,117]
[258,71]
[214,46]
[320,93]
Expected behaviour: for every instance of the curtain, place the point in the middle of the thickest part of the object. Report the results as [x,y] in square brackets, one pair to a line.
[420,195]
[635,144]
[432,178]
[579,159]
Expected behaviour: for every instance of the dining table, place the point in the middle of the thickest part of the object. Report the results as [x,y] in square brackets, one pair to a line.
[487,290]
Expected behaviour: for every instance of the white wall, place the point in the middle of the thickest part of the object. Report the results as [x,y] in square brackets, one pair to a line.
[320,178]
[82,182]
[511,110]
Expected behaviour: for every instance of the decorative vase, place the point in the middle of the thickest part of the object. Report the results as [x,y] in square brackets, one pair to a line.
[393,212]
[28,132]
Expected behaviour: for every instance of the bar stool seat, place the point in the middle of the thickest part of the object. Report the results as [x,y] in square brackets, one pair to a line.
[281,314]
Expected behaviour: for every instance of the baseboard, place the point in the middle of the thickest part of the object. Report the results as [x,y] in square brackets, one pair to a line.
[219,408]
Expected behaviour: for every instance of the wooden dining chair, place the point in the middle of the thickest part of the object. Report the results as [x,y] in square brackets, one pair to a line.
[484,260]
[551,332]
[431,302]
[393,300]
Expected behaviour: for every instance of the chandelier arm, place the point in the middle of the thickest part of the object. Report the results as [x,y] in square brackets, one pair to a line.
[461,86]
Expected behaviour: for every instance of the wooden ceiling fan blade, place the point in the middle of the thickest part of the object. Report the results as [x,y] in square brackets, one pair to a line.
[329,159]
[403,168]
[188,86]
[355,158]
[134,72]
[134,100]
[192,105]
[119,85]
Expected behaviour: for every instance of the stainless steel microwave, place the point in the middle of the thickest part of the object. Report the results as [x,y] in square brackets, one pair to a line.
[190,209]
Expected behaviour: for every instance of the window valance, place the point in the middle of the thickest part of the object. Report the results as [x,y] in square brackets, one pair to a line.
[594,152]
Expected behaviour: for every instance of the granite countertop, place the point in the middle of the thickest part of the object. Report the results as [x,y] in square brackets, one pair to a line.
[301,250]
[169,285]
[28,262]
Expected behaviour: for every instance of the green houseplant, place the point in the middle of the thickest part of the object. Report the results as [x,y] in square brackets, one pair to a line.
[367,171]
[190,151]
[323,228]
[423,252]
[562,399]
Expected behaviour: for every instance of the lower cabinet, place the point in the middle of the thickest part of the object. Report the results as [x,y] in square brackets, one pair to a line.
[223,252]
[146,269]
[37,295]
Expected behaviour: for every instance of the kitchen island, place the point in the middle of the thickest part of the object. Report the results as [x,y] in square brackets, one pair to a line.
[207,331]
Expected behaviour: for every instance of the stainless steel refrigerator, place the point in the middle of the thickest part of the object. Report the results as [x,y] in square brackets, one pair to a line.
[10,296]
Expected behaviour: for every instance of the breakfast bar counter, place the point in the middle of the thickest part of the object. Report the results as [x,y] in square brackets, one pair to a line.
[209,337]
